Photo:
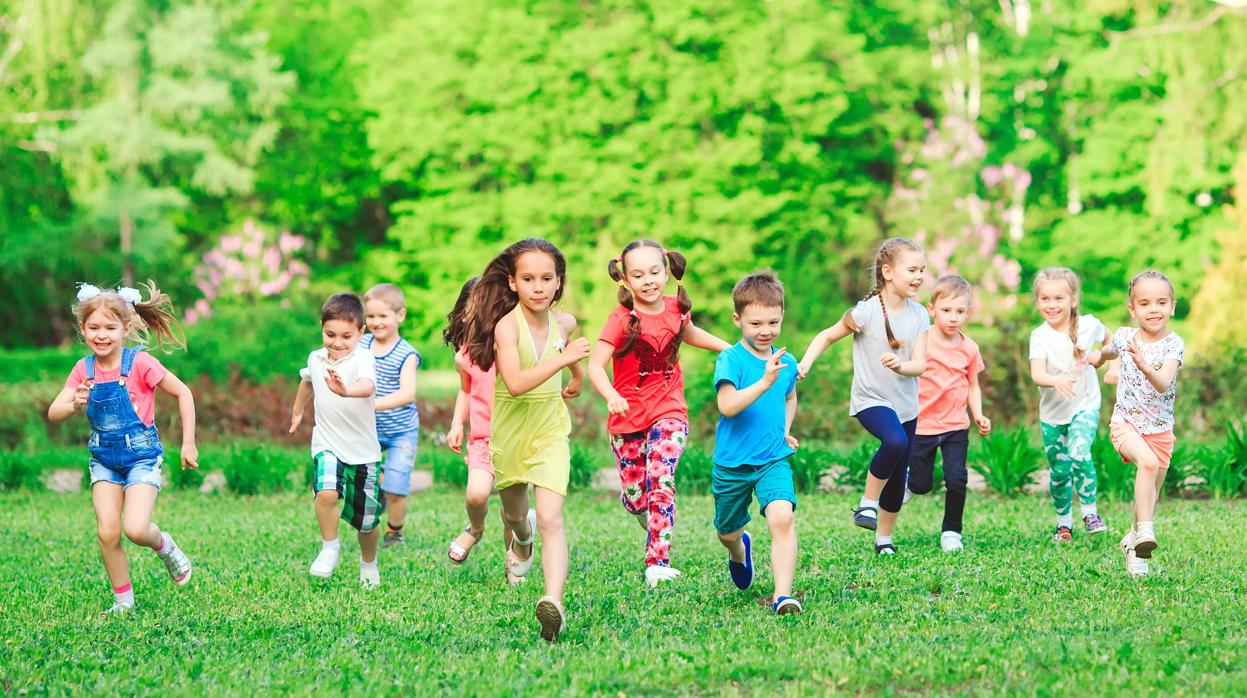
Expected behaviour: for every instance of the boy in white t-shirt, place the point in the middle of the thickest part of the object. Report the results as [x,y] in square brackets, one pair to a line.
[342,378]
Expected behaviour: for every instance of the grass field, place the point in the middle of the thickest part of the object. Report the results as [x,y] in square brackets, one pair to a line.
[1011,614]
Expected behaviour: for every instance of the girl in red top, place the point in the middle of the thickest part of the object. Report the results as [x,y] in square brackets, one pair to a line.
[648,422]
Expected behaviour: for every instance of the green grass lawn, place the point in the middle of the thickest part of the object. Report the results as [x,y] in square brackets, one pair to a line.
[1011,614]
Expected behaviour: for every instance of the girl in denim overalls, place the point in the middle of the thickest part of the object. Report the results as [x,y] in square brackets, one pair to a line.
[115,386]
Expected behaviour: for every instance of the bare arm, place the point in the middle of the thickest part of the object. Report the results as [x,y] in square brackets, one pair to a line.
[975,400]
[1039,374]
[406,393]
[300,403]
[68,402]
[454,436]
[601,382]
[733,401]
[790,411]
[697,337]
[821,341]
[917,362]
[172,385]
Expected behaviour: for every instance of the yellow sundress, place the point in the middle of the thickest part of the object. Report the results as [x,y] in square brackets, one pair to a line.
[529,433]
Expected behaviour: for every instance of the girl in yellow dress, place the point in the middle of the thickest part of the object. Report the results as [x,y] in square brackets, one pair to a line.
[510,326]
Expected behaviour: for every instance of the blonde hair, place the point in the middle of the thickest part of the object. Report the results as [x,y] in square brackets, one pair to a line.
[1071,280]
[887,254]
[153,318]
[391,294]
[951,286]
[1149,274]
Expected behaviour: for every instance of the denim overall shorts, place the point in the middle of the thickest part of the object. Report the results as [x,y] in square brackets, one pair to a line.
[124,450]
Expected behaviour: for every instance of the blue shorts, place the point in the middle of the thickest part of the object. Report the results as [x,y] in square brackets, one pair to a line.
[125,461]
[400,458]
[734,488]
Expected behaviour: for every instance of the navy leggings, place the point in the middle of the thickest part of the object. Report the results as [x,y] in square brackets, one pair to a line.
[896,446]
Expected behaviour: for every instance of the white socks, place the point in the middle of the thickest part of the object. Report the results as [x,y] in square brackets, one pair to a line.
[1066,520]
[364,565]
[864,502]
[882,539]
[124,595]
[1143,529]
[1088,509]
[330,545]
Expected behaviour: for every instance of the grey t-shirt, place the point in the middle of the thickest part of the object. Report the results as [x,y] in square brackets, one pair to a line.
[874,385]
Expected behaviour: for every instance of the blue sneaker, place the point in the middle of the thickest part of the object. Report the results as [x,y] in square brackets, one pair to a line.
[742,572]
[785,605]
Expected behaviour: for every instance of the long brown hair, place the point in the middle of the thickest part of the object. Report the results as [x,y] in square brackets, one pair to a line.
[152,318]
[676,264]
[455,326]
[1071,280]
[492,298]
[887,254]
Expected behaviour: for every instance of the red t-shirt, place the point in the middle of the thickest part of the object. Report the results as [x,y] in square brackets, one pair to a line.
[648,376]
[145,375]
[944,387]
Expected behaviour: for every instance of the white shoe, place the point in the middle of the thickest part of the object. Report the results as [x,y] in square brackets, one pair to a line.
[369,575]
[1134,566]
[516,566]
[324,563]
[950,541]
[656,573]
[550,616]
[119,609]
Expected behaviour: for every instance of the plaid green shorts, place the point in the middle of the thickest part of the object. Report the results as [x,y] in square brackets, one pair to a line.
[359,486]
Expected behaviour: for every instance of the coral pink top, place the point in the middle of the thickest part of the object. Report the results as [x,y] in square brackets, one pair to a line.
[480,397]
[145,375]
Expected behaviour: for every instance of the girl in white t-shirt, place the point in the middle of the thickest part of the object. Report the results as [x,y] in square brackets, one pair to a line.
[1063,353]
[1142,423]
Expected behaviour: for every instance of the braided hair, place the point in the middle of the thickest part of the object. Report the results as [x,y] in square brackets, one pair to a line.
[888,253]
[1071,280]
[676,264]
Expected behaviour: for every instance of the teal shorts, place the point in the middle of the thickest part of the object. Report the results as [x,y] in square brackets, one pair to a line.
[734,488]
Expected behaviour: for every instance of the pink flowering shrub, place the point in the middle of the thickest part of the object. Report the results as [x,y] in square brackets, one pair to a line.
[963,212]
[249,266]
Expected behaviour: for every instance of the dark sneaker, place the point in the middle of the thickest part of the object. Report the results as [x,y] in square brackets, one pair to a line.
[866,517]
[742,572]
[885,549]
[1094,524]
[1064,534]
[786,605]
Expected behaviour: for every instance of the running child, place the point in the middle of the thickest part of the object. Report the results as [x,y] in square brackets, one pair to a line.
[756,385]
[474,402]
[949,384]
[398,422]
[510,325]
[115,386]
[648,422]
[341,377]
[889,331]
[1064,351]
[1142,424]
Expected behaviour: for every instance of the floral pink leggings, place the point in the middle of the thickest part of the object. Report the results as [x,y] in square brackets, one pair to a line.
[647,461]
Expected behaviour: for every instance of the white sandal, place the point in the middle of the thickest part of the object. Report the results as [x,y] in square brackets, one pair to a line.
[516,566]
[459,554]
[550,615]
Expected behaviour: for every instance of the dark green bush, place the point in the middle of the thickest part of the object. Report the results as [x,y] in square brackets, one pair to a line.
[1007,459]
[693,474]
[261,468]
[445,465]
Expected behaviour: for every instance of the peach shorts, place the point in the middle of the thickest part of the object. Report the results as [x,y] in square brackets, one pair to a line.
[1124,434]
[478,456]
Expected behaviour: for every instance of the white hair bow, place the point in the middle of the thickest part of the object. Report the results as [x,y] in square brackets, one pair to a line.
[130,295]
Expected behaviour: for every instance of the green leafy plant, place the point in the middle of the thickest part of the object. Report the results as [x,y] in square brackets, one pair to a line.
[1114,478]
[1007,459]
[1225,469]
[260,468]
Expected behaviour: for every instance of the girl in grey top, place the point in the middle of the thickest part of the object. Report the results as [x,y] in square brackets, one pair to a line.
[889,331]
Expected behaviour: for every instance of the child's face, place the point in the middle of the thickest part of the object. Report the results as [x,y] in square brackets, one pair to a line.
[950,314]
[340,337]
[535,281]
[759,325]
[1055,300]
[645,272]
[105,333]
[1151,305]
[383,320]
[905,274]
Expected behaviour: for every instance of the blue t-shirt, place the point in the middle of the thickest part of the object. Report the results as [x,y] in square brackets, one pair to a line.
[401,420]
[755,436]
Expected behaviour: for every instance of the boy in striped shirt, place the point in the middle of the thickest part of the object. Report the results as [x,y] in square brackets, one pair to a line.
[398,423]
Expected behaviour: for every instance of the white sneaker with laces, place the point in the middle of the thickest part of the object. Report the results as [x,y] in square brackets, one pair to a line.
[950,541]
[325,563]
[369,575]
[119,609]
[656,573]
[1134,566]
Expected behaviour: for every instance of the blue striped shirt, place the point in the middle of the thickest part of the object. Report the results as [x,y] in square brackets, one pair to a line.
[403,419]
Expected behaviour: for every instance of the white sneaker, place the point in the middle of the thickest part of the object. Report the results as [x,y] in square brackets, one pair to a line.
[119,609]
[950,541]
[369,575]
[325,563]
[1134,566]
[656,573]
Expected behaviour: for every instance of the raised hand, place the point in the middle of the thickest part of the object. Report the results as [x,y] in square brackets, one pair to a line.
[576,350]
[1136,354]
[82,395]
[773,366]
[334,380]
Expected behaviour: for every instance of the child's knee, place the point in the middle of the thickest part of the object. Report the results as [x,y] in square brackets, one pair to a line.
[729,539]
[1148,465]
[109,533]
[477,497]
[779,516]
[137,531]
[549,521]
[327,497]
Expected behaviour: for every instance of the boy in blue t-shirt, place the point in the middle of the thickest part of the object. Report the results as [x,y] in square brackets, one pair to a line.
[757,396]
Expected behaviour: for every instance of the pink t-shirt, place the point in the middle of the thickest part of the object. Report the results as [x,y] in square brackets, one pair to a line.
[648,377]
[944,387]
[145,375]
[480,397]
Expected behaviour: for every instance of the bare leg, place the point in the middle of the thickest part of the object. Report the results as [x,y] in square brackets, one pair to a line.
[553,540]
[327,514]
[735,547]
[779,518]
[476,500]
[515,514]
[367,544]
[1147,478]
[107,498]
[140,501]
[887,521]
[396,504]
[874,486]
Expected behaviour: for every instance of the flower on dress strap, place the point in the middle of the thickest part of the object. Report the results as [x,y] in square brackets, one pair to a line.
[558,345]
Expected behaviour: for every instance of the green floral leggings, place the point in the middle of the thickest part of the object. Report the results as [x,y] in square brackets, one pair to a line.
[1068,447]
